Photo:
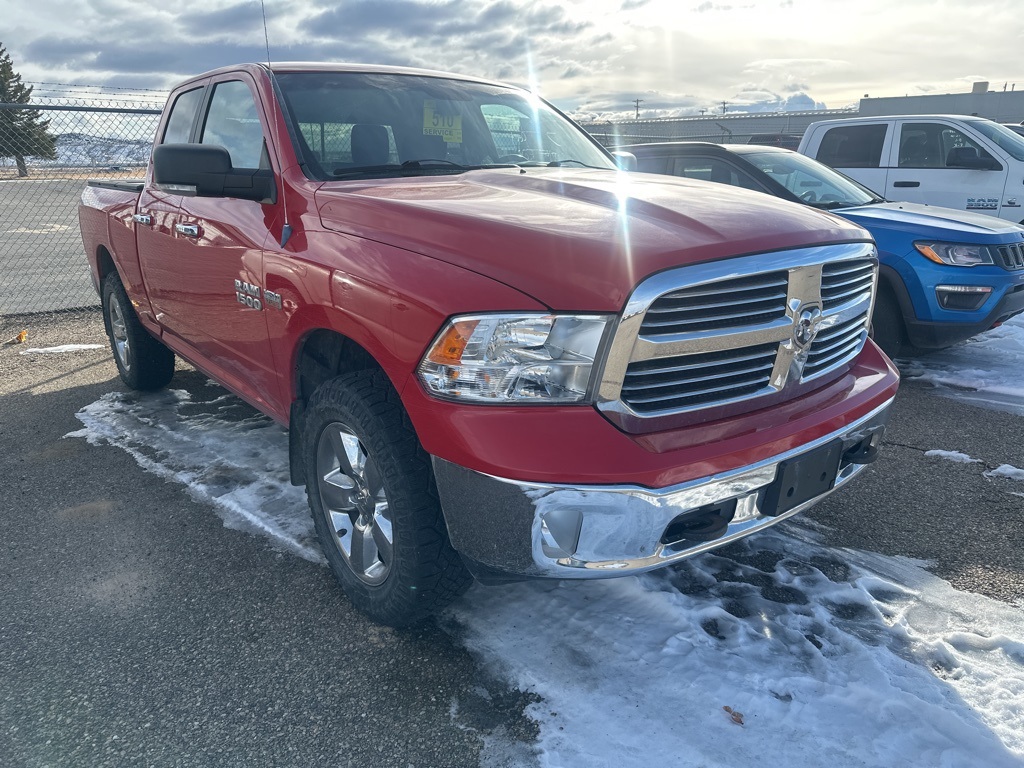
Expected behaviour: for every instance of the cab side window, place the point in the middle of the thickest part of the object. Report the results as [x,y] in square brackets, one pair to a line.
[183,113]
[712,169]
[652,164]
[232,122]
[929,145]
[852,146]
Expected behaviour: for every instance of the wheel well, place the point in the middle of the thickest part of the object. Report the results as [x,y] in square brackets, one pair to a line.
[104,263]
[324,355]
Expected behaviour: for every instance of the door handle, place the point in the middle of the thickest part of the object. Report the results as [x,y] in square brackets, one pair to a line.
[142,218]
[189,230]
[906,183]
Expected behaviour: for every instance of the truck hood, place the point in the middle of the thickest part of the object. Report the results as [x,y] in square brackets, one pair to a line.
[934,222]
[573,239]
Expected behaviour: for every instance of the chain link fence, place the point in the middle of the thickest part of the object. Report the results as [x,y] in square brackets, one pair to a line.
[42,264]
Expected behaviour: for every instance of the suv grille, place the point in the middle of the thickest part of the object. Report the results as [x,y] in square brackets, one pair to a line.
[1010,257]
[723,340]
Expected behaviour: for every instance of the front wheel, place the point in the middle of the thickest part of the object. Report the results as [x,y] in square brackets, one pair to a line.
[888,328]
[142,361]
[374,504]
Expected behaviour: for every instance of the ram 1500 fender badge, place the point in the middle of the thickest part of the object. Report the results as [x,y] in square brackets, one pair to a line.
[248,294]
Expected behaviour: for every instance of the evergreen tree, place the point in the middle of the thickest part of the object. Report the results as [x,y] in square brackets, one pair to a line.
[23,132]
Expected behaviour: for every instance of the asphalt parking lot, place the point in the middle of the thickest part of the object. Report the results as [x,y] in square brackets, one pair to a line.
[136,629]
[41,264]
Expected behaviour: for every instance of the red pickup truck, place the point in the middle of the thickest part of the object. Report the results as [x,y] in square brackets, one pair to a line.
[496,354]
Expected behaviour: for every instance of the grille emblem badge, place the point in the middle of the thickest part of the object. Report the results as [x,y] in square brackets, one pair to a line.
[805,327]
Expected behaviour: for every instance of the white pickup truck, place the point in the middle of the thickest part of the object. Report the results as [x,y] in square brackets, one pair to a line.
[968,163]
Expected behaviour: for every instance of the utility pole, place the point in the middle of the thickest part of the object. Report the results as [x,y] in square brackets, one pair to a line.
[638,102]
[702,111]
[724,106]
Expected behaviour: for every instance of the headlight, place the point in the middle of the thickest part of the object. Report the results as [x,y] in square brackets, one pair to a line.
[955,254]
[516,359]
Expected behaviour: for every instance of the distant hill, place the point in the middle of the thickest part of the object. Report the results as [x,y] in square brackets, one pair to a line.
[83,150]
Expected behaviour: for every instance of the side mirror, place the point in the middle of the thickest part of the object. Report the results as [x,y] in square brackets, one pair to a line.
[625,160]
[968,157]
[207,169]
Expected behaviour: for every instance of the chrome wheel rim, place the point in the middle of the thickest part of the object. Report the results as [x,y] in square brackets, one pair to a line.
[119,333]
[354,503]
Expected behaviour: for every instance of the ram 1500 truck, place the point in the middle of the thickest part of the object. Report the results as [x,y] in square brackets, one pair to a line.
[496,354]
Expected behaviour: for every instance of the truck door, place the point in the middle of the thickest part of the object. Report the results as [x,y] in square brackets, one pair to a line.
[219,308]
[157,212]
[924,169]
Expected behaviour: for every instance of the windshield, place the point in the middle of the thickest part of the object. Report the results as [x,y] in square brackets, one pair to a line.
[1001,136]
[352,125]
[811,181]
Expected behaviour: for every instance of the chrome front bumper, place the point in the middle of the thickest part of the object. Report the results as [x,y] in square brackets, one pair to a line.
[507,529]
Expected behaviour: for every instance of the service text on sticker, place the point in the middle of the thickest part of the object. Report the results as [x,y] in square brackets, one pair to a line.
[448,127]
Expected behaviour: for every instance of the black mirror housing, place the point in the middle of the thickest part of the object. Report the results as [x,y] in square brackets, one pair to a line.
[208,168]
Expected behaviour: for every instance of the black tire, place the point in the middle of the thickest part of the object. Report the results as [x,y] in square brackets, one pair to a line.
[367,476]
[887,327]
[143,362]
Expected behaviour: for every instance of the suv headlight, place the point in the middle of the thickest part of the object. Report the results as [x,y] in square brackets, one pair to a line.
[955,254]
[515,359]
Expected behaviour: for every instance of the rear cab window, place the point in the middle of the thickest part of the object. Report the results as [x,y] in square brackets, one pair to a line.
[853,146]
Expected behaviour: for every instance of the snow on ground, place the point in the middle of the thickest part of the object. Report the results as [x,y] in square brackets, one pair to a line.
[59,349]
[954,456]
[987,370]
[828,657]
[1006,470]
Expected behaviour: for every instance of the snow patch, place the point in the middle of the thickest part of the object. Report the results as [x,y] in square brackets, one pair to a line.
[830,656]
[955,456]
[984,370]
[220,449]
[59,349]
[1006,470]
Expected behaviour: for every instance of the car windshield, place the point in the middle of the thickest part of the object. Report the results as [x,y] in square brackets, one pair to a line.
[352,124]
[811,181]
[1001,136]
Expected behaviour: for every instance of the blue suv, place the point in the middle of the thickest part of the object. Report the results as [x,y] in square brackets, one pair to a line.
[945,275]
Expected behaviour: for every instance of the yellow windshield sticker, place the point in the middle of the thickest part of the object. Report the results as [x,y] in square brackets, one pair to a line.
[448,127]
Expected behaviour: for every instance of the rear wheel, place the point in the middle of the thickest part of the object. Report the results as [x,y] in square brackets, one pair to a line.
[374,503]
[143,362]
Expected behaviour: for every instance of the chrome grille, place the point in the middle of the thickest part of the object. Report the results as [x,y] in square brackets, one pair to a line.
[1011,257]
[835,345]
[727,333]
[689,380]
[845,281]
[726,304]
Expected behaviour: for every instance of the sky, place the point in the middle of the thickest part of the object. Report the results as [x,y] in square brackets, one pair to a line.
[592,58]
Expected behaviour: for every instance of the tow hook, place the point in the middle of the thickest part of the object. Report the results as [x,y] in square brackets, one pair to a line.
[864,452]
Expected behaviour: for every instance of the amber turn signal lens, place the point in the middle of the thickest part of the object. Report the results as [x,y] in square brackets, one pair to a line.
[448,349]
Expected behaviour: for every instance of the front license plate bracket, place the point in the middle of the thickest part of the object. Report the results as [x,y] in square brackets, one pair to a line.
[803,478]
